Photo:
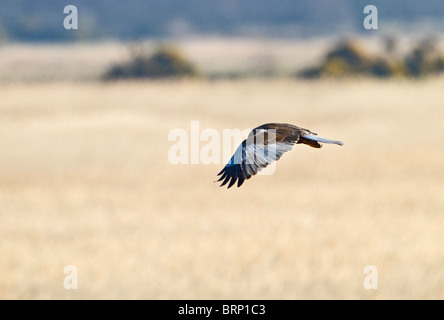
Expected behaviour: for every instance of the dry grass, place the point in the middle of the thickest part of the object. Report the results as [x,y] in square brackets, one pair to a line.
[85,181]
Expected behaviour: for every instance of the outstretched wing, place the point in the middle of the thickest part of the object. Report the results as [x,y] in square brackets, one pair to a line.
[252,155]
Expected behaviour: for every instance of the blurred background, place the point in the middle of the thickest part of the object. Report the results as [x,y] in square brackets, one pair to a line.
[85,178]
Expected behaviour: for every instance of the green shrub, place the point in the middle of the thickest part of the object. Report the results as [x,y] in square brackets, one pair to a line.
[350,59]
[165,62]
[352,54]
[347,58]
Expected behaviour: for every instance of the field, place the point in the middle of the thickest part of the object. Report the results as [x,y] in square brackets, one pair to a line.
[85,180]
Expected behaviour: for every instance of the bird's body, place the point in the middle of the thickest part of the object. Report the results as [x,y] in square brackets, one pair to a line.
[265,144]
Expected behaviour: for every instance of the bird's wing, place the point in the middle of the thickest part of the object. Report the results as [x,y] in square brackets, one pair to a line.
[250,157]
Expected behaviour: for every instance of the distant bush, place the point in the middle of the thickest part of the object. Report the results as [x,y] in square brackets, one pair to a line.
[424,59]
[165,62]
[350,59]
[352,54]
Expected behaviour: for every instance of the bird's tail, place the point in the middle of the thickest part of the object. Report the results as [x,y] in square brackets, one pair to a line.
[314,137]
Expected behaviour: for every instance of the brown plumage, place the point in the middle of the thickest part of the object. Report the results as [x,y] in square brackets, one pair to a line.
[265,144]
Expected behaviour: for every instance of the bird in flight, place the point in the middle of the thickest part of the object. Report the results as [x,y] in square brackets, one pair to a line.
[264,145]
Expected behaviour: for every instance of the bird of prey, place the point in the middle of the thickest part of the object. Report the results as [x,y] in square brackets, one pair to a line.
[265,144]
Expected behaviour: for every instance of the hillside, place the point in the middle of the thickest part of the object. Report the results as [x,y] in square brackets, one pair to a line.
[27,20]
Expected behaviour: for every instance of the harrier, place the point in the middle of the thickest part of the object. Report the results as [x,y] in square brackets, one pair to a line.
[264,145]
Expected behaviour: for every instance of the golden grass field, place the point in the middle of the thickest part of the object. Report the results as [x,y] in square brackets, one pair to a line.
[85,180]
